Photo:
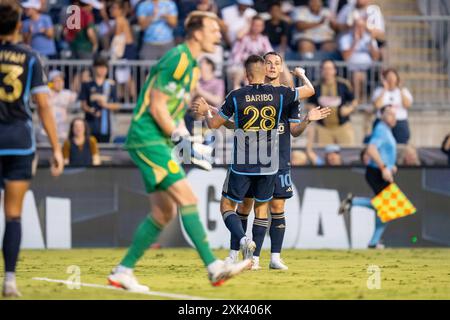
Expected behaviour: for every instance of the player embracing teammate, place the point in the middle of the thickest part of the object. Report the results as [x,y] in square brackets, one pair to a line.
[264,107]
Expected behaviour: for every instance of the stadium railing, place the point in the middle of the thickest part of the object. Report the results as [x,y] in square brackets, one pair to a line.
[419,47]
[138,70]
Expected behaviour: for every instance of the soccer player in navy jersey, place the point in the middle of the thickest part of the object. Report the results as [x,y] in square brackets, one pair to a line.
[21,77]
[290,124]
[256,111]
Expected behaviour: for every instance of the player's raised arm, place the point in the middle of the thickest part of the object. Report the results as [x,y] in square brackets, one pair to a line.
[314,114]
[307,90]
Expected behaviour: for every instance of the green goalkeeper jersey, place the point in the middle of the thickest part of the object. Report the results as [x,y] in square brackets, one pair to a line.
[176,75]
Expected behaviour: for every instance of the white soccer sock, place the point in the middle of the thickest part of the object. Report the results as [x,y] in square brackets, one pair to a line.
[10,276]
[275,256]
[242,241]
[234,254]
[122,269]
[213,266]
[256,258]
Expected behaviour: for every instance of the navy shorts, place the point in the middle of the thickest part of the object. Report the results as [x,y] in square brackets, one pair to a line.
[236,186]
[283,185]
[15,168]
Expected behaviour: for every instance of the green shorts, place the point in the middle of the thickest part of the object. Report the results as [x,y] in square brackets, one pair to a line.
[158,168]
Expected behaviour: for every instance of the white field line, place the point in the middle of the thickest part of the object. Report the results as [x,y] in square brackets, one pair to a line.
[149,293]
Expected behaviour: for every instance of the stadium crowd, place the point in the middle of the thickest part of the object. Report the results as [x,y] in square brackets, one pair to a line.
[301,30]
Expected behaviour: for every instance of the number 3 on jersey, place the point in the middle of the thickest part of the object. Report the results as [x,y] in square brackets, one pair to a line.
[11,79]
[267,115]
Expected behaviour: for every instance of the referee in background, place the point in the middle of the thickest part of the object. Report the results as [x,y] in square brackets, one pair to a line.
[382,150]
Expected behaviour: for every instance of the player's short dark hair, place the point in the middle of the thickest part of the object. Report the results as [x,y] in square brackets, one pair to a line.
[10,15]
[272,53]
[251,61]
[274,4]
[100,61]
[194,21]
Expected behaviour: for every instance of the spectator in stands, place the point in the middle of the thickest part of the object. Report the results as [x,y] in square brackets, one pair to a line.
[210,87]
[446,147]
[312,29]
[238,19]
[359,49]
[123,47]
[98,98]
[81,149]
[337,94]
[408,156]
[83,40]
[332,156]
[61,99]
[38,30]
[298,158]
[252,43]
[277,29]
[365,11]
[400,98]
[158,19]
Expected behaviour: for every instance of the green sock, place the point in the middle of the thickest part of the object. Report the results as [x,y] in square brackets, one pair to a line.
[146,234]
[195,230]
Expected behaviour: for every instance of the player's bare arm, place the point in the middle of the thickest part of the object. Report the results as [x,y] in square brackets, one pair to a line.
[307,90]
[314,114]
[160,113]
[48,121]
[201,107]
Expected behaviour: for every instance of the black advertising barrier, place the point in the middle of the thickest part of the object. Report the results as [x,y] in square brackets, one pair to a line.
[107,203]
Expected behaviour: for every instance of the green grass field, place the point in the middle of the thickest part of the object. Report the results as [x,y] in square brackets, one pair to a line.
[318,274]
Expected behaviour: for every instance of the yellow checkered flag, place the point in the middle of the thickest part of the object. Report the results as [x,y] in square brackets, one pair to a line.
[391,204]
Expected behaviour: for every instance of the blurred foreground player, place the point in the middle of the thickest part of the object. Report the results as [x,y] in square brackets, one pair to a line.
[21,76]
[160,108]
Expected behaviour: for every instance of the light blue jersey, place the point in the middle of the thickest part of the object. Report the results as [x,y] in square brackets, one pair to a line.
[159,30]
[384,140]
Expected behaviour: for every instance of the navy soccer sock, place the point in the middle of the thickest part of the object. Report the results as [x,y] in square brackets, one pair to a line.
[234,224]
[259,232]
[11,243]
[276,231]
[234,241]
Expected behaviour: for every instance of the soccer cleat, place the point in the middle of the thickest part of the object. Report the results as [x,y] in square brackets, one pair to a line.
[248,248]
[278,265]
[225,271]
[10,290]
[255,264]
[346,205]
[377,246]
[127,281]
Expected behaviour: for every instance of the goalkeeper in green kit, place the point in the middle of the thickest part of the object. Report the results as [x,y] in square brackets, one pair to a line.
[161,105]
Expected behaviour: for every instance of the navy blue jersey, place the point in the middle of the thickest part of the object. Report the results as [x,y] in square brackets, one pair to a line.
[21,75]
[284,133]
[89,92]
[257,111]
